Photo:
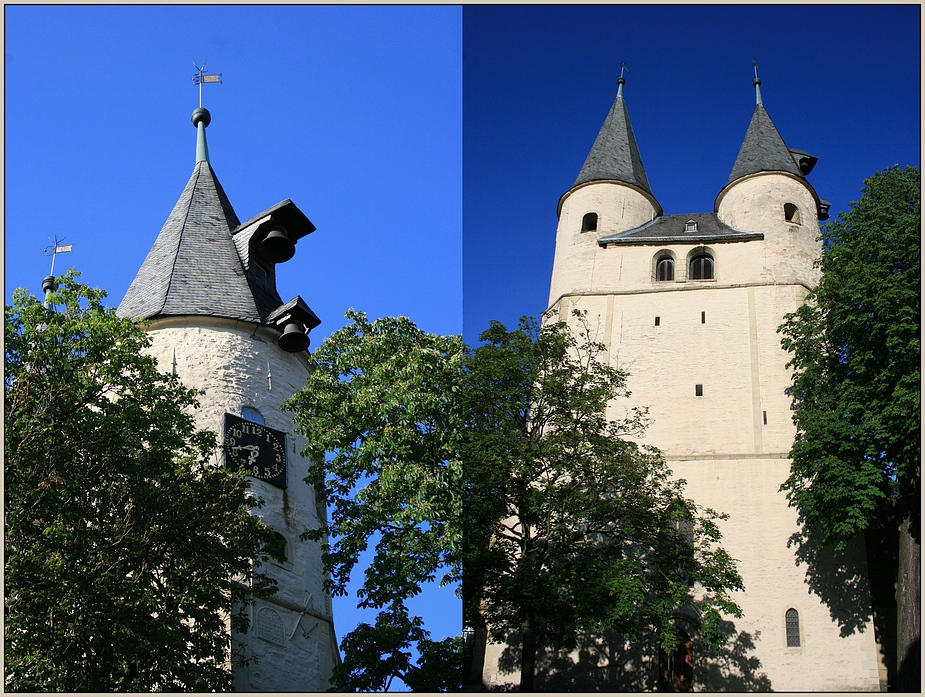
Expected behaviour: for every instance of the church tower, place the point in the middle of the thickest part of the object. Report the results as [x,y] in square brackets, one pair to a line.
[689,306]
[208,292]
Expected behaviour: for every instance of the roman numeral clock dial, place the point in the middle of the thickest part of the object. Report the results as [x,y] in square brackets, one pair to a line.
[257,450]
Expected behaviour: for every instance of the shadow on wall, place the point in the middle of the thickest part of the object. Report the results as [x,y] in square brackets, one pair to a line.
[839,579]
[609,663]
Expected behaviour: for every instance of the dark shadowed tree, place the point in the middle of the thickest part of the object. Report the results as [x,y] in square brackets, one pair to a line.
[122,531]
[382,406]
[571,526]
[856,355]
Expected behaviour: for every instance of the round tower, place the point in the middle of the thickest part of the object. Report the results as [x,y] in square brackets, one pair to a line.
[207,291]
[768,192]
[610,195]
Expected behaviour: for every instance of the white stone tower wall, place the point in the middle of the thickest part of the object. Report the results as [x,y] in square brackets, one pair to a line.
[618,208]
[756,203]
[730,444]
[237,364]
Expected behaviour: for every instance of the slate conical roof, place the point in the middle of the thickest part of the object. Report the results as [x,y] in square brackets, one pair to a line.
[615,155]
[193,267]
[763,149]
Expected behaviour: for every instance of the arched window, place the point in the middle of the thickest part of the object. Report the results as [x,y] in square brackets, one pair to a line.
[701,267]
[791,213]
[792,619]
[589,222]
[252,414]
[664,270]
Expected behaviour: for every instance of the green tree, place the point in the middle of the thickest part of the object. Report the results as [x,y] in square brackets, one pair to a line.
[122,533]
[381,405]
[570,525]
[856,354]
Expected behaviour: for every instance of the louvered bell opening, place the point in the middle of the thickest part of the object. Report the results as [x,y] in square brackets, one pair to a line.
[277,247]
[294,338]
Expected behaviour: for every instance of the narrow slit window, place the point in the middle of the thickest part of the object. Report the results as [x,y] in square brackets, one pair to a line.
[658,321]
[589,222]
[793,628]
[765,418]
[703,317]
[698,390]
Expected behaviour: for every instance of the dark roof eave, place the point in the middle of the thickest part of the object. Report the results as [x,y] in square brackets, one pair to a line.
[634,187]
[682,239]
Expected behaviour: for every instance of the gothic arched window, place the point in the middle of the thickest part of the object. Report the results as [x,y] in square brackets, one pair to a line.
[792,619]
[589,222]
[664,270]
[701,267]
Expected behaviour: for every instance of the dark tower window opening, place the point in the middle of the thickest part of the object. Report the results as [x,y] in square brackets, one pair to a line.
[698,390]
[279,548]
[703,317]
[676,669]
[589,222]
[664,270]
[791,213]
[792,619]
[701,267]
[658,321]
[765,418]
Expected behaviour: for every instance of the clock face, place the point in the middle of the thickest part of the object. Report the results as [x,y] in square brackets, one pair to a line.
[257,450]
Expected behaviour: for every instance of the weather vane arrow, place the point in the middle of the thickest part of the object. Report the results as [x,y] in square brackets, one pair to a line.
[54,249]
[200,77]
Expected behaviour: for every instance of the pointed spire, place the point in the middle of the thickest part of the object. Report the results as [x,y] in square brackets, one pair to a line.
[201,119]
[763,149]
[615,155]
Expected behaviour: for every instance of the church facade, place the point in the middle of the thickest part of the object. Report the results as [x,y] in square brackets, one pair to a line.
[207,290]
[689,306]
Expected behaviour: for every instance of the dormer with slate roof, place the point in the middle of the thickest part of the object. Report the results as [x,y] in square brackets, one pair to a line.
[205,263]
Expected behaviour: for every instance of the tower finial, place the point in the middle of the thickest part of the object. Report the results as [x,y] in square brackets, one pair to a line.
[756,82]
[201,117]
[49,285]
[620,80]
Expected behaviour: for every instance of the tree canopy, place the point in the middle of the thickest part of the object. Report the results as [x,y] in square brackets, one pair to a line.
[856,352]
[380,410]
[123,531]
[570,524]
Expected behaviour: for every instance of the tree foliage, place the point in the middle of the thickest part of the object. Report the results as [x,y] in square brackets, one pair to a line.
[122,533]
[856,355]
[570,524]
[382,406]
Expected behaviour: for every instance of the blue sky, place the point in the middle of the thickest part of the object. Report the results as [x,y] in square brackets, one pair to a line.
[841,82]
[354,113]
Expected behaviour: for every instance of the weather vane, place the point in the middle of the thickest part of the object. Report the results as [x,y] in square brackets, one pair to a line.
[622,68]
[755,63]
[201,77]
[54,249]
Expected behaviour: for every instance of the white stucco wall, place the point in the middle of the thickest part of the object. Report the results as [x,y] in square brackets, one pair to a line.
[731,443]
[237,365]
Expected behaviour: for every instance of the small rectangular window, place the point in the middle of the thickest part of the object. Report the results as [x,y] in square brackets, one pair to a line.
[765,418]
[703,317]
[698,390]
[658,321]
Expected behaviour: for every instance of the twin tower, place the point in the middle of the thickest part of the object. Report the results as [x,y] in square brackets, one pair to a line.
[689,305]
